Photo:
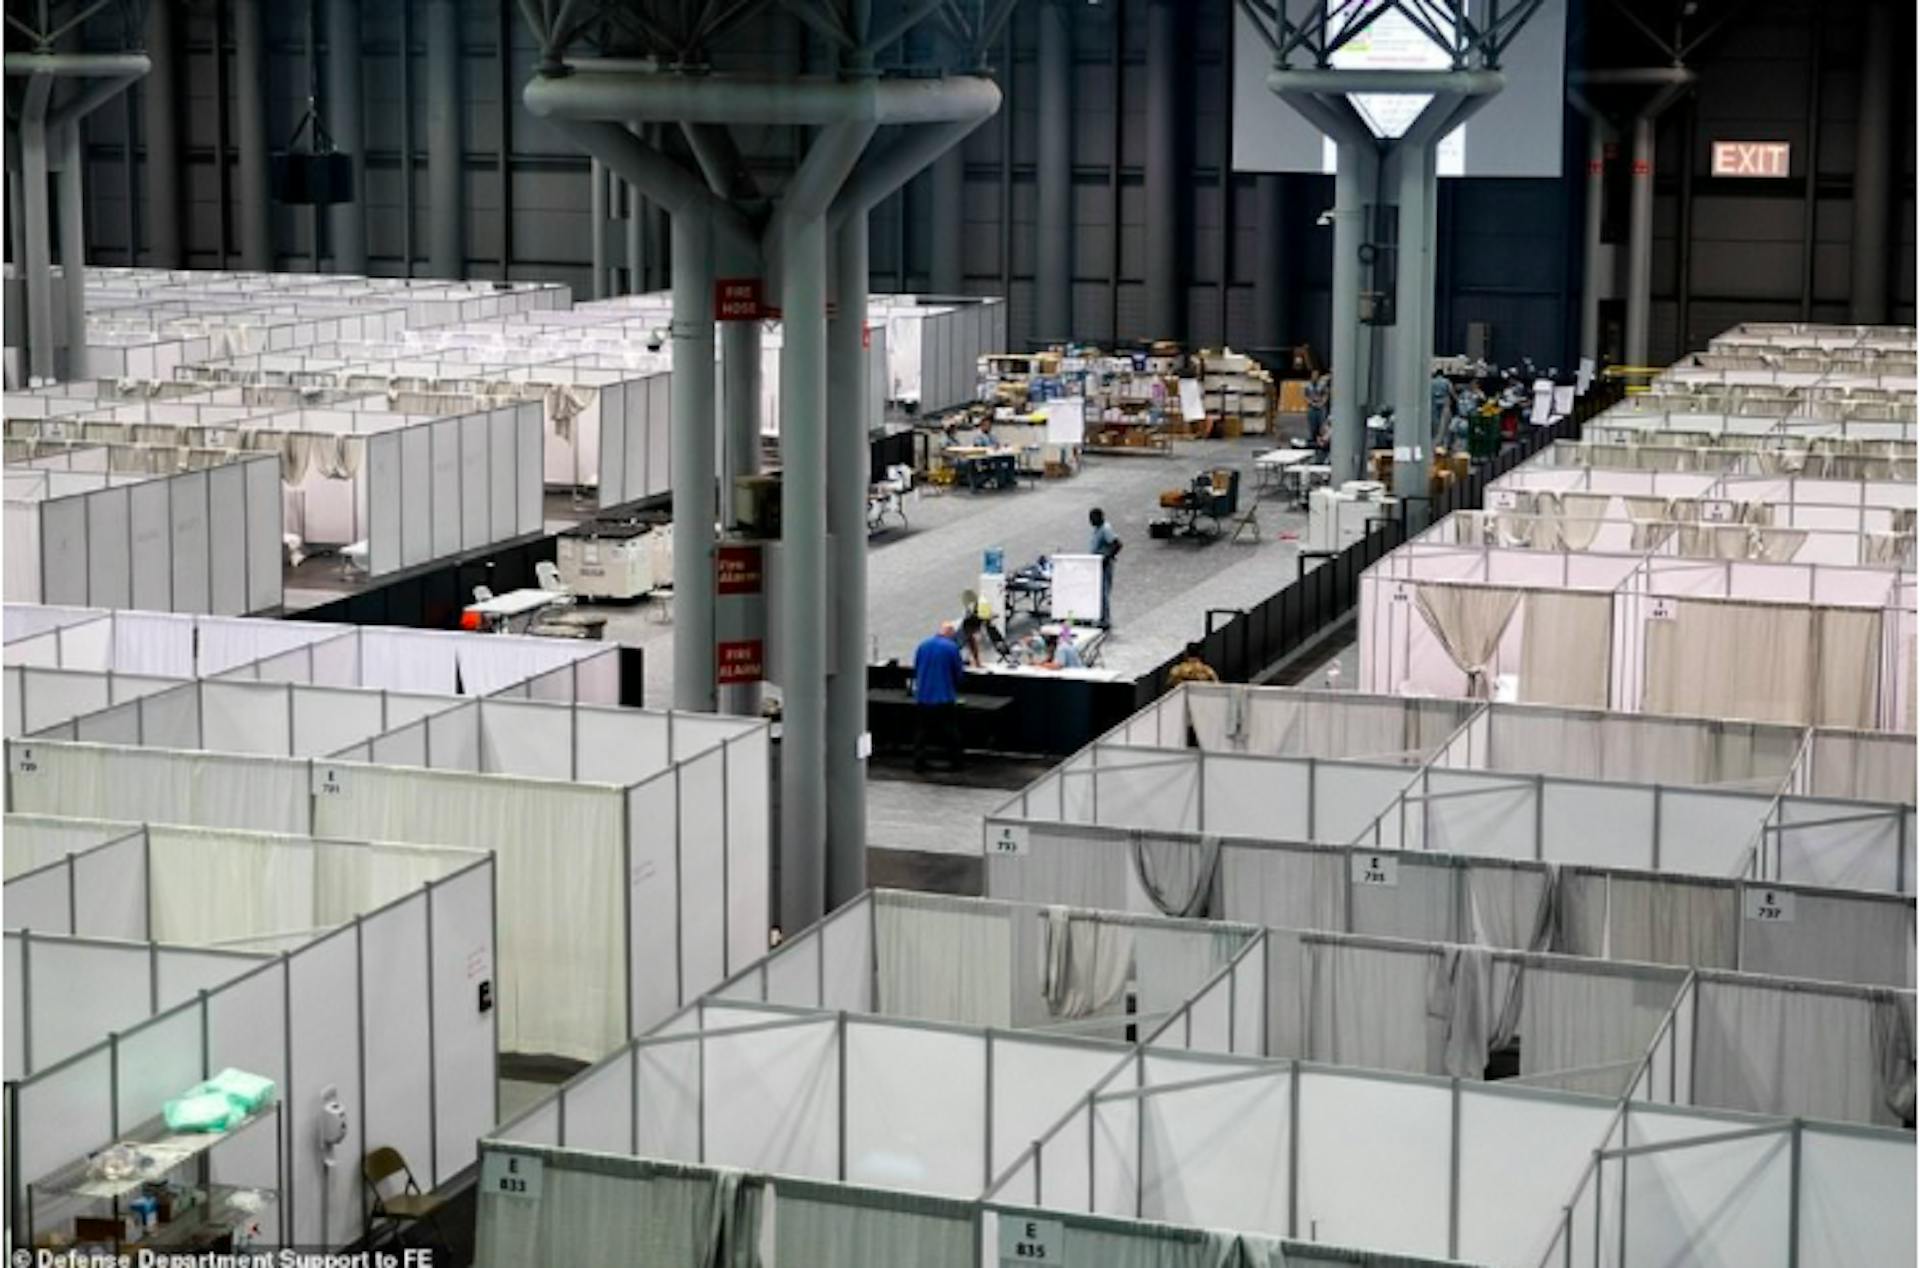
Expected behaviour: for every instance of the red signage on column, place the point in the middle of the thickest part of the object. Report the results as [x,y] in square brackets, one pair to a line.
[739,299]
[739,569]
[741,661]
[866,336]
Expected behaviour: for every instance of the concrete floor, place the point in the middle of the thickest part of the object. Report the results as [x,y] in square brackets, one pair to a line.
[1161,592]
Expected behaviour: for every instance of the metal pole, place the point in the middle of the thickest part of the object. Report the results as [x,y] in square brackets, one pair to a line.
[1353,176]
[1413,329]
[848,459]
[638,214]
[1640,241]
[163,138]
[597,225]
[949,189]
[446,157]
[250,115]
[1053,254]
[349,219]
[1596,258]
[803,448]
[693,464]
[1872,204]
[1166,304]
[39,263]
[73,248]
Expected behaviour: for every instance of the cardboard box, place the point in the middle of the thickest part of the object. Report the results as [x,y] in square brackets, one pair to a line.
[1293,396]
[1230,427]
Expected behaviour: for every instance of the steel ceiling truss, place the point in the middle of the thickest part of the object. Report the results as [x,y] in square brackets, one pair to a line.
[681,33]
[1319,29]
[37,26]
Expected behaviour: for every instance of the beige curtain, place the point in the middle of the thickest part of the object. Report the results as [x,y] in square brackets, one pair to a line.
[1847,679]
[1468,621]
[1565,642]
[1584,515]
[1750,661]
[1649,515]
[339,457]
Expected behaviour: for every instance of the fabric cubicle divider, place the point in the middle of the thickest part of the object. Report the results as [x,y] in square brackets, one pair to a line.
[187,542]
[1607,913]
[344,1002]
[39,698]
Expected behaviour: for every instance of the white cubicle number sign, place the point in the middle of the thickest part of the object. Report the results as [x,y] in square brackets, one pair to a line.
[1769,906]
[1715,511]
[1402,592]
[1008,838]
[1382,870]
[329,781]
[21,760]
[1503,500]
[1661,608]
[1032,1241]
[512,1176]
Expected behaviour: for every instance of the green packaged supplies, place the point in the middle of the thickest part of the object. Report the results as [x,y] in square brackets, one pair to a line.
[248,1092]
[219,1103]
[200,1112]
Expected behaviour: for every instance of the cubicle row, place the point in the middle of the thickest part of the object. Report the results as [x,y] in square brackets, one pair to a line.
[203,950]
[1049,1134]
[663,820]
[204,540]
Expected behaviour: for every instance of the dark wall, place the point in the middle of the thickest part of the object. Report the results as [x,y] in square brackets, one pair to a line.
[1509,249]
[1770,74]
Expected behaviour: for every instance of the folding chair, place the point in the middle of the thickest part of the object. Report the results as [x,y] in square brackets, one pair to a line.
[404,1208]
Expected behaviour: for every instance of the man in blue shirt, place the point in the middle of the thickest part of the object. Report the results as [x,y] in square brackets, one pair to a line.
[1106,544]
[937,675]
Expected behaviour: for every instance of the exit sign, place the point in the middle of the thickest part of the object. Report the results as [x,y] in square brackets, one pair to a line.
[1767,159]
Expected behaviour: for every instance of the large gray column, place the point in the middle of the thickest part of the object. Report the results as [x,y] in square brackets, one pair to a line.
[446,196]
[1272,278]
[1053,239]
[803,676]
[347,222]
[1640,242]
[1353,183]
[1166,300]
[162,120]
[693,465]
[1413,322]
[250,126]
[848,465]
[1596,273]
[948,223]
[73,248]
[1872,171]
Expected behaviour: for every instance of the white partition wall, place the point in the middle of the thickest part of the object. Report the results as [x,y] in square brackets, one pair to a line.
[188,542]
[368,1009]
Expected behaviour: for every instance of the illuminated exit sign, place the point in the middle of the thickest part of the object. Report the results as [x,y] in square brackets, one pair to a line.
[1767,159]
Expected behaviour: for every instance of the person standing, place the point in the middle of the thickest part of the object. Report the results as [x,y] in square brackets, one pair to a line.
[1319,396]
[937,675]
[1440,393]
[1106,544]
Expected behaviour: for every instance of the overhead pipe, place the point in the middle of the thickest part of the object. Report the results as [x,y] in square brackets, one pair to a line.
[673,97]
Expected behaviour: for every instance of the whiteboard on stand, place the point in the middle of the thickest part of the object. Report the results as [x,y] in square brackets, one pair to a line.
[1066,420]
[1191,407]
[1076,588]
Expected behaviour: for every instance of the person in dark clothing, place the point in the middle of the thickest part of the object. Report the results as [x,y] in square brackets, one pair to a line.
[937,675]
